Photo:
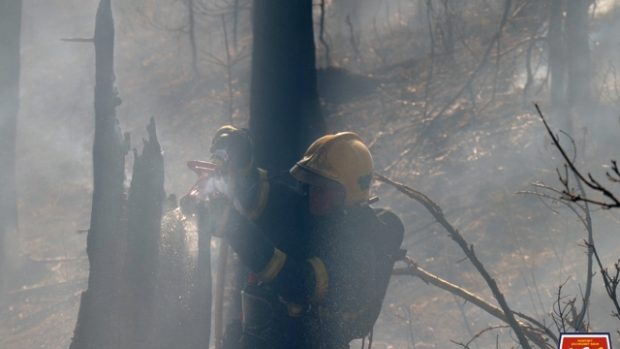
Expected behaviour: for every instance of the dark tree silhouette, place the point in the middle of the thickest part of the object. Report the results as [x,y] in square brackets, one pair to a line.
[570,63]
[284,104]
[10,23]
[579,62]
[284,108]
[144,207]
[557,58]
[123,239]
[96,316]
[191,32]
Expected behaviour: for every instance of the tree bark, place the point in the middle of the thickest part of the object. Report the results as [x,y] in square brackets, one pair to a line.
[192,37]
[10,29]
[144,211]
[97,319]
[557,53]
[284,105]
[579,62]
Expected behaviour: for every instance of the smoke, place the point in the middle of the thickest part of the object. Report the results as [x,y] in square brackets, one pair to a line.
[471,160]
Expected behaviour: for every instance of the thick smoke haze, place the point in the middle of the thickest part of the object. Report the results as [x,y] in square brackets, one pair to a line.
[472,157]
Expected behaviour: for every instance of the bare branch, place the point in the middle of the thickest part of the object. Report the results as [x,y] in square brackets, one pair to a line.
[534,333]
[434,209]
[615,176]
[584,216]
[559,313]
[610,282]
[482,63]
[589,181]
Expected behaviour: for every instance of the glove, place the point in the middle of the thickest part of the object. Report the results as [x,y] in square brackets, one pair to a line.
[231,150]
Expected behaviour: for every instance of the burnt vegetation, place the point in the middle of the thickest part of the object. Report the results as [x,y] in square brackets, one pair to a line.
[443,92]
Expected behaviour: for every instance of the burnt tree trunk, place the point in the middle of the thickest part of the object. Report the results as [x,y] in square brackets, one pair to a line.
[191,31]
[557,53]
[144,211]
[97,318]
[448,31]
[116,310]
[10,29]
[284,105]
[579,62]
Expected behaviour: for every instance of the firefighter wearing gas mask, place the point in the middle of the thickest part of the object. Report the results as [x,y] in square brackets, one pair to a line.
[320,255]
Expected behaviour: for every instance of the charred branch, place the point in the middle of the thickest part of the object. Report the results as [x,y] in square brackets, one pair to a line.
[436,211]
[611,280]
[567,192]
[536,331]
[582,212]
[483,61]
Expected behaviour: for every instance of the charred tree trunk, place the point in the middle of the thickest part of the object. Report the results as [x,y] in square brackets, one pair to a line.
[570,63]
[557,53]
[235,40]
[124,236]
[97,319]
[448,31]
[192,37]
[144,211]
[284,105]
[10,28]
[579,62]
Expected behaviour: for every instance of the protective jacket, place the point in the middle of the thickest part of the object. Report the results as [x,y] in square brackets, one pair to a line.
[319,281]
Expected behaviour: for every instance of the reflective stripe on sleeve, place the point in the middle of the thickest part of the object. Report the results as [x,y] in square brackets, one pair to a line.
[273,267]
[321,279]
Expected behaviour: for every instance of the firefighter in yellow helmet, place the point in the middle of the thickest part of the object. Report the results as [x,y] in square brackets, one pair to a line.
[338,166]
[321,256]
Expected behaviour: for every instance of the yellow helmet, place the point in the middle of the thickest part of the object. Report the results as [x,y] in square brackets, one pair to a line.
[342,158]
